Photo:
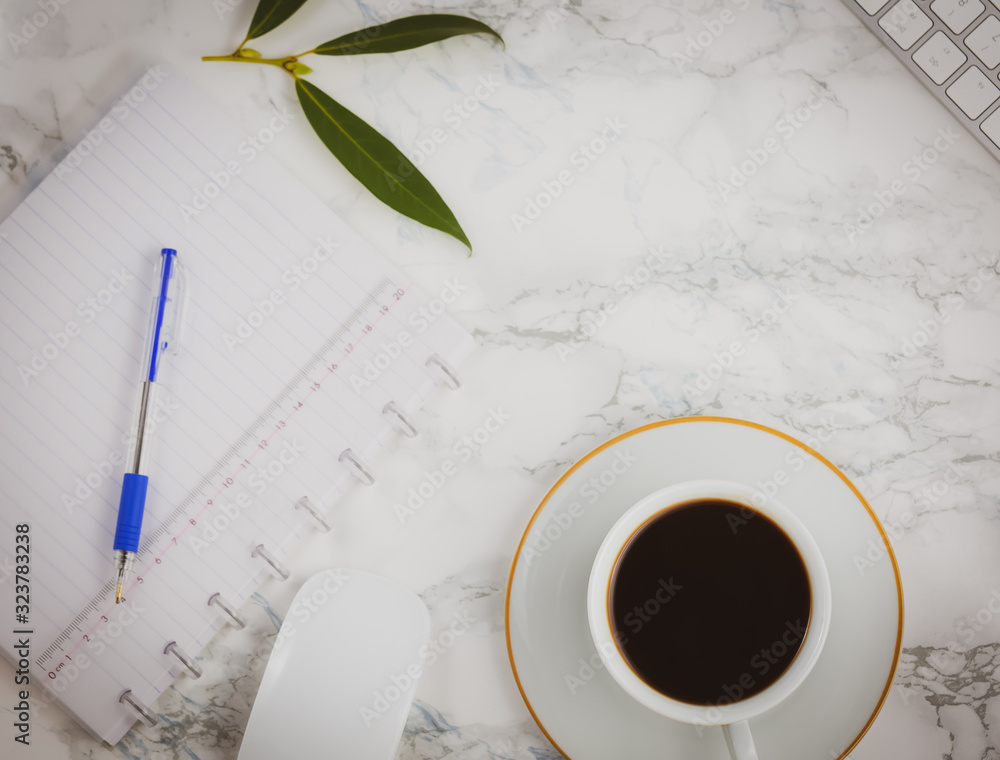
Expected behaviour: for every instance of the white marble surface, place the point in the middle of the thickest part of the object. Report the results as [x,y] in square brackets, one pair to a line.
[889,336]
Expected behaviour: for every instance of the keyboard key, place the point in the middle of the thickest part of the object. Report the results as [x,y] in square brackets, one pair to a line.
[939,57]
[984,41]
[905,23]
[973,92]
[957,14]
[872,6]
[991,126]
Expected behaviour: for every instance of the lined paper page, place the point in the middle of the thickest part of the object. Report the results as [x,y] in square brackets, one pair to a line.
[286,309]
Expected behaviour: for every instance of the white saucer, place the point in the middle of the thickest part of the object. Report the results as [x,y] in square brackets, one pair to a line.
[583,712]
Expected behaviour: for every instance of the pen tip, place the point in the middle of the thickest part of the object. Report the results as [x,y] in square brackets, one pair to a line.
[118,594]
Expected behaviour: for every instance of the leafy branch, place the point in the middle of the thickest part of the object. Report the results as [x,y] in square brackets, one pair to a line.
[373,160]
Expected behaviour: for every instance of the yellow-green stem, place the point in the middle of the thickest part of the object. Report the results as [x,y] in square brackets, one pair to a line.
[283,63]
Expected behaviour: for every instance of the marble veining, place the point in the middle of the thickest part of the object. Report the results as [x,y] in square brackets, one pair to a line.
[639,255]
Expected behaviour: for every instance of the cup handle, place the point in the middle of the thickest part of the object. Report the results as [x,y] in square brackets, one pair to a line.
[739,741]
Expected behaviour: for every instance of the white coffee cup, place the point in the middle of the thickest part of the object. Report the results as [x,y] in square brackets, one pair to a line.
[732,717]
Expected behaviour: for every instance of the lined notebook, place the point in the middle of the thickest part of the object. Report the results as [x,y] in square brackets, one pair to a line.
[302,352]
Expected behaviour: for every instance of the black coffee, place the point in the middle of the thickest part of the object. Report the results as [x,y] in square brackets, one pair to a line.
[709,602]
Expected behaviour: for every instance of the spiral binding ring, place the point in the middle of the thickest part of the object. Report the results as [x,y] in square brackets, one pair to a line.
[238,620]
[265,555]
[358,470]
[402,422]
[450,376]
[306,503]
[193,668]
[127,698]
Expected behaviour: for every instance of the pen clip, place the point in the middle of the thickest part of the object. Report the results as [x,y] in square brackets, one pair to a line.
[166,321]
[173,321]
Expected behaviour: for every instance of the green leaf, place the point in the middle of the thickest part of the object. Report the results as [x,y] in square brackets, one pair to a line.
[375,162]
[248,53]
[300,69]
[404,34]
[271,14]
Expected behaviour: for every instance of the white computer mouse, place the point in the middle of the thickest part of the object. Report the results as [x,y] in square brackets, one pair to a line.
[342,675]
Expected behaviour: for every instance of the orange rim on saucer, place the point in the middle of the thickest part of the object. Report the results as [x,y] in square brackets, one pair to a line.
[764,428]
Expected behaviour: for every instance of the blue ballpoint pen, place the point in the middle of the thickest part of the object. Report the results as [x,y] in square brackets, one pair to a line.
[164,322]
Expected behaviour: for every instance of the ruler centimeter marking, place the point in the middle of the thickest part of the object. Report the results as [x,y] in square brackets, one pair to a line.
[264,421]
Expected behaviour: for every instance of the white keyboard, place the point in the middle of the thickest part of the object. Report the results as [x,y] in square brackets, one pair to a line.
[953,47]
